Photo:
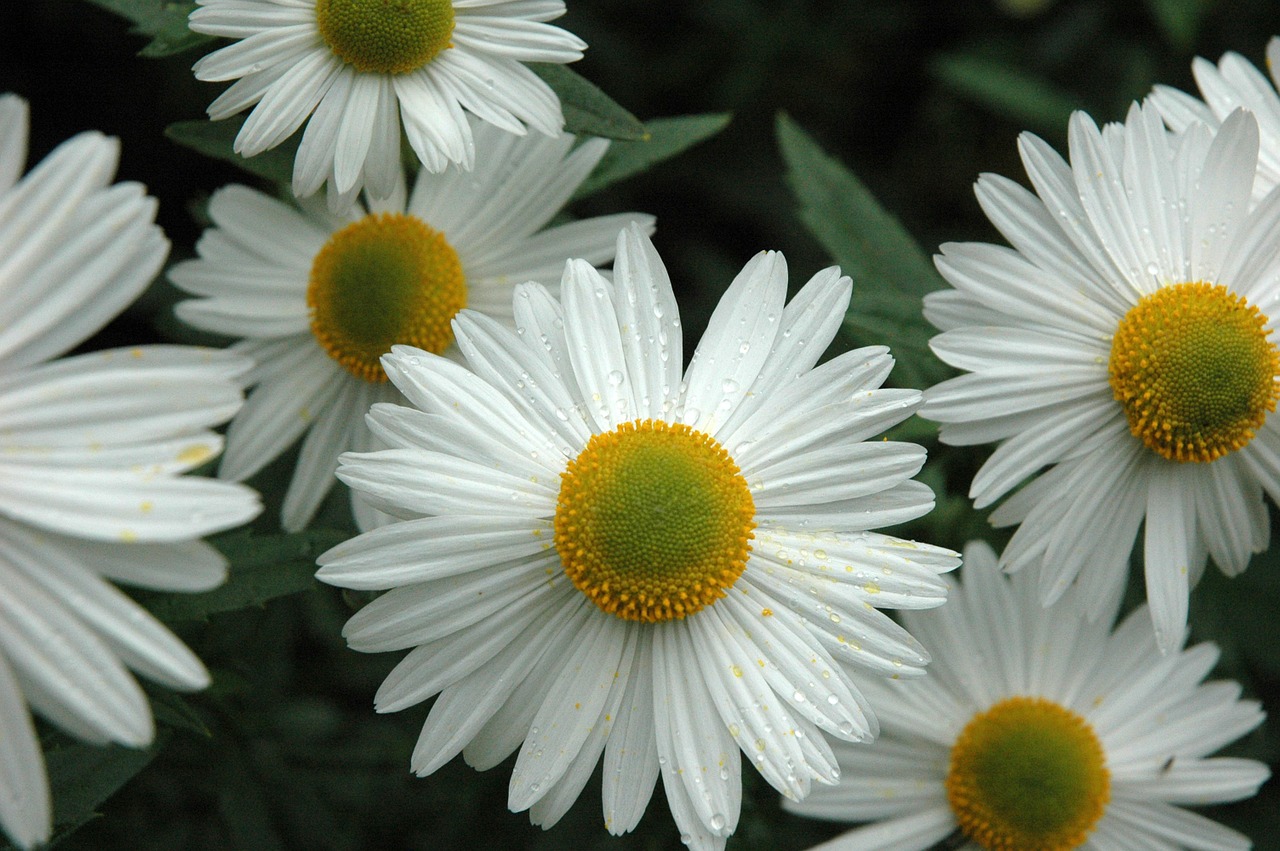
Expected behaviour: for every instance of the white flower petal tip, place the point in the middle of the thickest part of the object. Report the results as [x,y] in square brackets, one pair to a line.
[1052,333]
[294,66]
[1140,725]
[94,449]
[538,644]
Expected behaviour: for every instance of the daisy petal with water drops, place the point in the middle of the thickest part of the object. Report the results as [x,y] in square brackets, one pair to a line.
[1123,354]
[318,299]
[92,452]
[358,72]
[1036,729]
[668,567]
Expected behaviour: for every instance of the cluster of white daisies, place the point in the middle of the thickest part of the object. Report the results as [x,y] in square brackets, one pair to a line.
[592,552]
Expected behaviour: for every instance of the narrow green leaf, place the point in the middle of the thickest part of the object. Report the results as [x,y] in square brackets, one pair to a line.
[172,710]
[889,270]
[1009,92]
[587,110]
[82,776]
[164,21]
[263,567]
[216,139]
[666,138]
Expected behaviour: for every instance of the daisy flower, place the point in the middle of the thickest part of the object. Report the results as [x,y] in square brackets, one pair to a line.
[91,452]
[1038,730]
[361,70]
[320,298]
[1125,344]
[1231,84]
[599,554]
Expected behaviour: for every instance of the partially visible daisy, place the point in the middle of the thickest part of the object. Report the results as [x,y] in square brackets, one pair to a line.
[92,449]
[1035,729]
[360,70]
[601,553]
[320,298]
[1231,84]
[1124,355]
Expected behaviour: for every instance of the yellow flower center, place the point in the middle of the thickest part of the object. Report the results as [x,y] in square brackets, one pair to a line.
[1028,775]
[385,36]
[387,279]
[653,521]
[1195,371]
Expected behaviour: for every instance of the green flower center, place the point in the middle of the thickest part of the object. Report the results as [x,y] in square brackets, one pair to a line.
[1195,371]
[654,521]
[1028,775]
[385,36]
[387,279]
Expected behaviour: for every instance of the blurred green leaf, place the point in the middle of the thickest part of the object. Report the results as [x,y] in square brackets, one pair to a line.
[217,139]
[1179,19]
[165,21]
[82,776]
[1009,92]
[587,110]
[666,137]
[172,710]
[262,567]
[889,270]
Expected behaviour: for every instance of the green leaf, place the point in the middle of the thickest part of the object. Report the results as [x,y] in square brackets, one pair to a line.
[217,139]
[165,21]
[263,567]
[889,270]
[173,711]
[666,137]
[1180,20]
[1009,92]
[82,776]
[587,110]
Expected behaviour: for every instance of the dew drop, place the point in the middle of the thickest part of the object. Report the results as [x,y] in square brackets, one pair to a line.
[717,822]
[615,378]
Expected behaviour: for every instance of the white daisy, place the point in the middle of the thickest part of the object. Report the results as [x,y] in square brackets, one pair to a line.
[1231,84]
[1124,343]
[91,452]
[362,69]
[1038,730]
[600,554]
[320,298]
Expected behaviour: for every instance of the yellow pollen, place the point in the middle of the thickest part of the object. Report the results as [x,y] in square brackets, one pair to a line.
[1028,775]
[1195,371]
[654,521]
[386,279]
[385,36]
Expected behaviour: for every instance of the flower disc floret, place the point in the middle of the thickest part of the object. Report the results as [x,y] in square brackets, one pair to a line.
[1028,775]
[654,521]
[1195,370]
[385,279]
[385,36]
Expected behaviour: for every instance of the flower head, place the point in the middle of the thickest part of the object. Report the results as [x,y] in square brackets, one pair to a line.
[357,71]
[600,552]
[1124,354]
[1035,729]
[92,448]
[320,298]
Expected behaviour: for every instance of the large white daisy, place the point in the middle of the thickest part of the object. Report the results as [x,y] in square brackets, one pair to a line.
[320,298]
[1227,86]
[1036,729]
[599,552]
[91,452]
[1125,342]
[360,70]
